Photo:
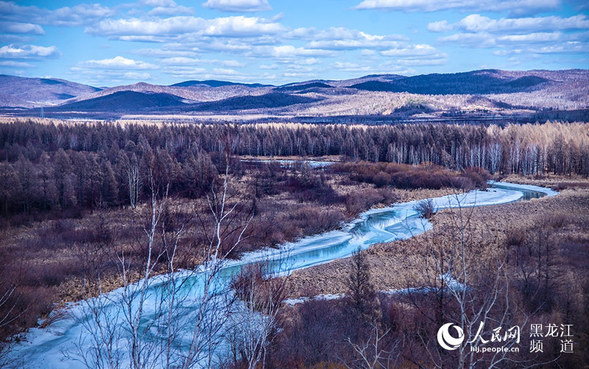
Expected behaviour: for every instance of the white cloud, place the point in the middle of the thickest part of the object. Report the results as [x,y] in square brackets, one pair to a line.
[241,26]
[479,23]
[482,39]
[416,55]
[340,38]
[166,52]
[66,16]
[290,51]
[176,27]
[118,62]
[566,47]
[140,27]
[440,26]
[79,15]
[233,63]
[179,60]
[185,61]
[27,51]
[569,47]
[522,34]
[21,28]
[159,3]
[184,71]
[15,64]
[225,71]
[353,67]
[351,44]
[532,37]
[175,10]
[116,70]
[166,7]
[226,45]
[238,5]
[514,7]
[412,50]
[137,76]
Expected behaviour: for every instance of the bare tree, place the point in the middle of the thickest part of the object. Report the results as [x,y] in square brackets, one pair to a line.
[464,272]
[175,320]
[371,353]
[256,317]
[7,316]
[361,296]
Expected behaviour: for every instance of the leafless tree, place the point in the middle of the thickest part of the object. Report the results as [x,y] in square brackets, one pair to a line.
[471,288]
[176,319]
[7,306]
[426,208]
[256,318]
[372,353]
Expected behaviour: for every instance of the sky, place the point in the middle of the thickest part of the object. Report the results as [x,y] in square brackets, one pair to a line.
[280,41]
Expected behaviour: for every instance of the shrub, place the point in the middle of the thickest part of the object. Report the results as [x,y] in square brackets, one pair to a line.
[365,199]
[413,176]
[381,179]
[426,208]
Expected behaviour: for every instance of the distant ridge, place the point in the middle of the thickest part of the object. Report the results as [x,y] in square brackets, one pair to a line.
[477,82]
[304,86]
[215,83]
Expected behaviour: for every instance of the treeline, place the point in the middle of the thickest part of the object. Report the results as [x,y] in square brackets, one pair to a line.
[68,166]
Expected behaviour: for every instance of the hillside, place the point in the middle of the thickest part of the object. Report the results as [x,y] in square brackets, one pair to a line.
[477,95]
[124,101]
[478,82]
[34,92]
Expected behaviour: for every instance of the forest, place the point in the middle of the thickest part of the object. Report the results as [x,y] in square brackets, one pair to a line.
[69,165]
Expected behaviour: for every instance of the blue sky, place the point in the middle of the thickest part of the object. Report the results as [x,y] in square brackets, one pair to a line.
[280,41]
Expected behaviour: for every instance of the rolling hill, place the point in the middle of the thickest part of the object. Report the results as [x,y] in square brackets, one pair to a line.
[35,92]
[267,101]
[386,97]
[123,101]
[477,82]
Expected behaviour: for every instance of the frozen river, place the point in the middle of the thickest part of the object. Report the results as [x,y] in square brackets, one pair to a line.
[60,344]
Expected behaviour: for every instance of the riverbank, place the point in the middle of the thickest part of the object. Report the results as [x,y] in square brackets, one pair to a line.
[399,264]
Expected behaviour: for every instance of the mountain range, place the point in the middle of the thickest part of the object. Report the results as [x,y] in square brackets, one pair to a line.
[490,94]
